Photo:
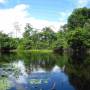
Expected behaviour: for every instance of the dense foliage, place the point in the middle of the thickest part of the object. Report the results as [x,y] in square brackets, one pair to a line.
[79,29]
[78,18]
[75,34]
[7,43]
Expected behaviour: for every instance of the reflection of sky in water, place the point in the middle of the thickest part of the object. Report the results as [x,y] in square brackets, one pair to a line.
[21,78]
[20,66]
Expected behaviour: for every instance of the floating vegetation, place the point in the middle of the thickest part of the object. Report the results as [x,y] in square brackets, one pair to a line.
[45,81]
[4,83]
[38,81]
[35,81]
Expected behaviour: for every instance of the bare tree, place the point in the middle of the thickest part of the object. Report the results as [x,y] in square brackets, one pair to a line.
[17,28]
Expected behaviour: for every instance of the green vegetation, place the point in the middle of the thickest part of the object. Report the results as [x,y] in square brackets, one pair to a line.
[46,60]
[41,51]
[4,83]
[7,43]
[75,35]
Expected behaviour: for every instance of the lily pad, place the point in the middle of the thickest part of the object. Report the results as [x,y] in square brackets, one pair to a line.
[45,81]
[35,81]
[38,81]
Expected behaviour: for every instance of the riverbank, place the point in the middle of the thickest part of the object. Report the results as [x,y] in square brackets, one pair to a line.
[34,50]
[68,50]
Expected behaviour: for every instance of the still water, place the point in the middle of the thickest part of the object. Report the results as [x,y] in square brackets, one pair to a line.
[44,71]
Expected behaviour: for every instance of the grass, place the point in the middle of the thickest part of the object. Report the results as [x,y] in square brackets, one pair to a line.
[41,51]
[35,50]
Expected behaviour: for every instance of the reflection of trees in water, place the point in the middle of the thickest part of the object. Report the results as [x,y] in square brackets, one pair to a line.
[37,60]
[33,61]
[78,70]
[8,57]
[43,60]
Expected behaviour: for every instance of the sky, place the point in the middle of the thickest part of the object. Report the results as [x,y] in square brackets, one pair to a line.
[14,14]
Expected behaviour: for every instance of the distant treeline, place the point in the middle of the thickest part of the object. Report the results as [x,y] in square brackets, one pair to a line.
[75,35]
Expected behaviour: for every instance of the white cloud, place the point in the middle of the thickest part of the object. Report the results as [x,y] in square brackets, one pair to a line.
[3,1]
[39,24]
[82,3]
[9,16]
[19,14]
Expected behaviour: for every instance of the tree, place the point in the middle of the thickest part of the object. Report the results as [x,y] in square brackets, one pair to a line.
[79,39]
[4,42]
[87,34]
[78,18]
[27,41]
[7,43]
[78,34]
[47,37]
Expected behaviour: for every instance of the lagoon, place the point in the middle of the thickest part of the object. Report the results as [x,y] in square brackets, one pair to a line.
[44,71]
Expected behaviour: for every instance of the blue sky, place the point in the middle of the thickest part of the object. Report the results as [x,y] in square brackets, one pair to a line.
[49,12]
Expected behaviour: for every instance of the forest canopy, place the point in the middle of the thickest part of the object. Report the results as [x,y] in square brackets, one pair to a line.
[75,34]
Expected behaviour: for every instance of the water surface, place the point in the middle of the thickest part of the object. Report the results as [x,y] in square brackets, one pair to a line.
[44,71]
